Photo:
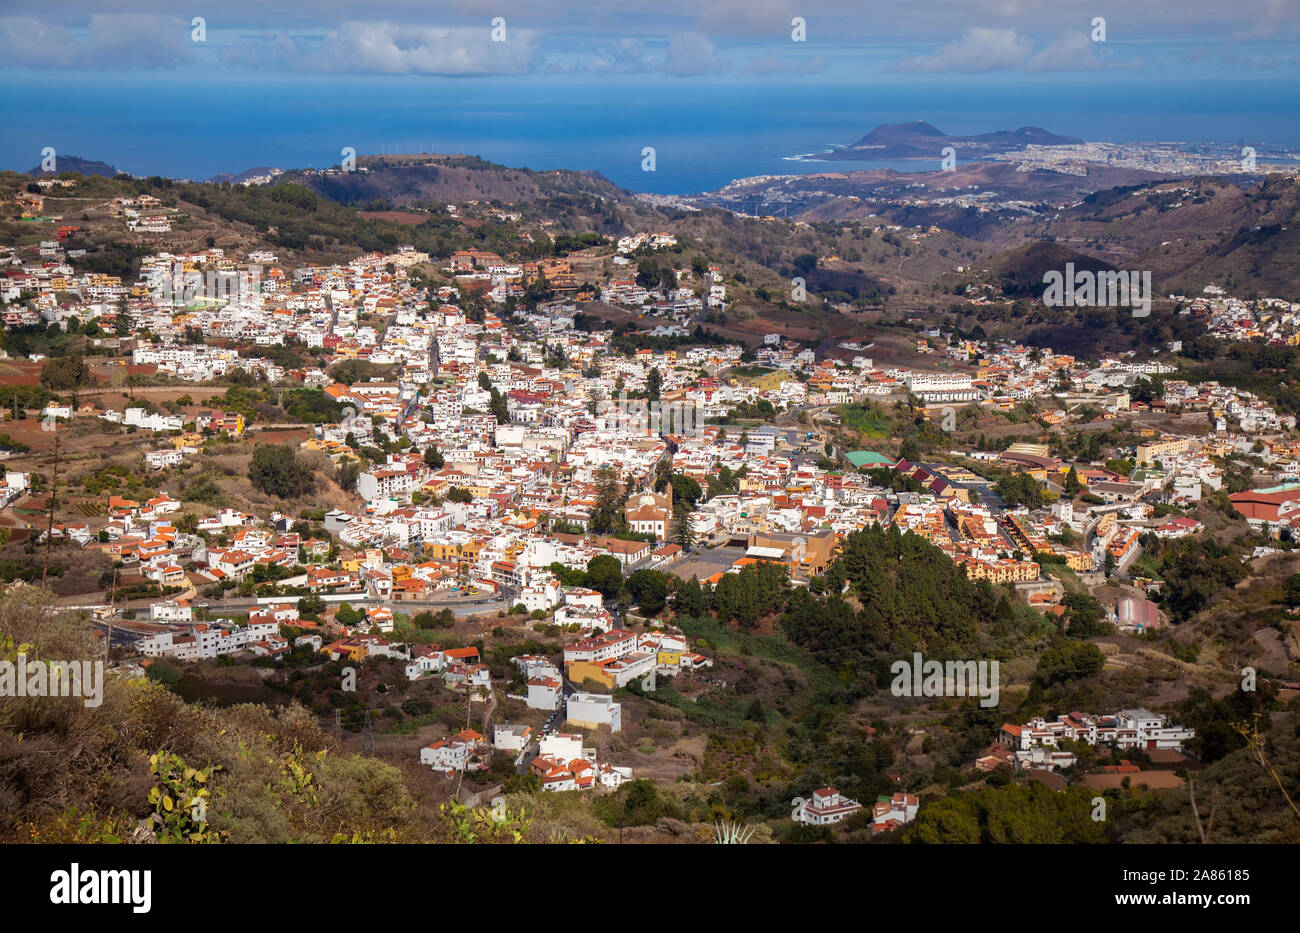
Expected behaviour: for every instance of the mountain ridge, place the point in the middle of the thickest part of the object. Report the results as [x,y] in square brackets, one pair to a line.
[918,140]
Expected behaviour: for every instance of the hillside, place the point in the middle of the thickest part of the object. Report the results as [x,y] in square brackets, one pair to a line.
[70,163]
[1190,233]
[920,140]
[416,180]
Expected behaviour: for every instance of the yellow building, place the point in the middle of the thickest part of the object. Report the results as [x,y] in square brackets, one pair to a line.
[582,671]
[441,550]
[1077,560]
[351,562]
[666,658]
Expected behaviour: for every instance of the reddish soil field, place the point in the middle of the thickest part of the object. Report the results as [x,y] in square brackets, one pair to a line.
[19,373]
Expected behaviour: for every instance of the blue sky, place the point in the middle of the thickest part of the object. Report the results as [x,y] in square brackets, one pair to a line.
[672,38]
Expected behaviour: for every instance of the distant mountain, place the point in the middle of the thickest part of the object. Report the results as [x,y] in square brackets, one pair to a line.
[259,172]
[409,180]
[920,140]
[67,163]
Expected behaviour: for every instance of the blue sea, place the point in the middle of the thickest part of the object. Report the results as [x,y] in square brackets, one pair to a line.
[705,132]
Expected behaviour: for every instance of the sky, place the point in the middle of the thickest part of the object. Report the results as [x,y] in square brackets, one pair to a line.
[225,86]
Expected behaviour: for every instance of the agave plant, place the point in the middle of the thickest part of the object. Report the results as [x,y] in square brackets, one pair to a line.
[731,834]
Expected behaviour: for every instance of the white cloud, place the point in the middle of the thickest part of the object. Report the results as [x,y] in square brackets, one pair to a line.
[978,50]
[981,50]
[1073,53]
[114,41]
[393,48]
[690,53]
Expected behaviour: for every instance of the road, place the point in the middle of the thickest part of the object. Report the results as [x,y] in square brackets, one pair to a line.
[461,608]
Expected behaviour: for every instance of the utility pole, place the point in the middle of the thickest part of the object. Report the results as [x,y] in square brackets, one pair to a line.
[112,598]
[54,489]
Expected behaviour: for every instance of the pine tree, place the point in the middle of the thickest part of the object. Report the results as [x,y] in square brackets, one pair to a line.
[1072,484]
[497,406]
[681,533]
[653,383]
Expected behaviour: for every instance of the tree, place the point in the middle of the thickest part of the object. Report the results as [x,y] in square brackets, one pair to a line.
[649,590]
[605,573]
[349,470]
[653,383]
[610,497]
[433,458]
[1013,813]
[1020,489]
[497,406]
[747,596]
[689,598]
[278,471]
[64,372]
[1068,660]
[1087,618]
[686,489]
[484,382]
[680,533]
[648,274]
[122,323]
[459,494]
[346,615]
[1072,484]
[1291,590]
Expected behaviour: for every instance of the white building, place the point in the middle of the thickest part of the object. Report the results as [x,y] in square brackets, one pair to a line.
[511,737]
[826,806]
[544,693]
[591,710]
[171,610]
[1129,728]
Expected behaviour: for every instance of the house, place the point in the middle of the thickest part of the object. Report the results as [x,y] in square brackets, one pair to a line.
[171,610]
[463,751]
[826,807]
[614,672]
[562,745]
[544,693]
[1132,728]
[425,660]
[592,710]
[891,812]
[627,552]
[511,737]
[563,764]
[608,647]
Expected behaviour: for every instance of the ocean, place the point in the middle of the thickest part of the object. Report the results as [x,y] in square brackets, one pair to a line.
[704,131]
